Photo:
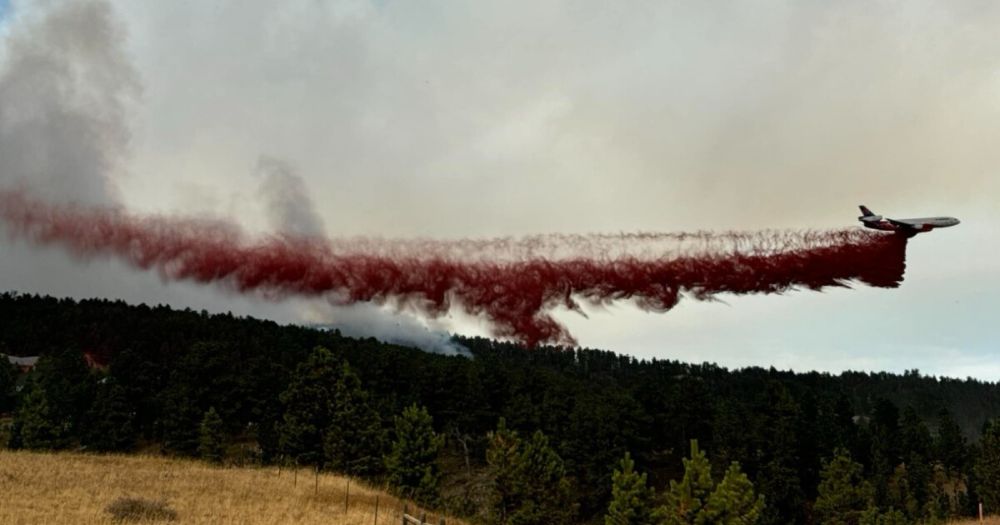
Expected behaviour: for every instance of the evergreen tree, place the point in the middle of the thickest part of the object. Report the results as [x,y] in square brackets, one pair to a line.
[733,501]
[502,458]
[354,442]
[916,445]
[15,441]
[890,517]
[779,478]
[547,497]
[38,426]
[309,402]
[179,424]
[207,374]
[631,500]
[950,445]
[529,480]
[987,467]
[808,440]
[731,439]
[59,393]
[8,384]
[844,431]
[885,446]
[211,437]
[412,462]
[697,501]
[915,439]
[685,500]
[844,494]
[110,420]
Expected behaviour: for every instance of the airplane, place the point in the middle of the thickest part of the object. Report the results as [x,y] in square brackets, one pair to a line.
[908,227]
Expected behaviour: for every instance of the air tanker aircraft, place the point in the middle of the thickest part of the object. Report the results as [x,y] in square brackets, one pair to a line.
[908,227]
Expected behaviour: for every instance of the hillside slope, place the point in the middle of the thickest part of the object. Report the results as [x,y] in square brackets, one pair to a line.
[158,372]
[74,489]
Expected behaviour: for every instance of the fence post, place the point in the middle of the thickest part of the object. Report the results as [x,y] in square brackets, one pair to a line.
[441,522]
[406,509]
[376,509]
[347,495]
[316,490]
[980,512]
[423,518]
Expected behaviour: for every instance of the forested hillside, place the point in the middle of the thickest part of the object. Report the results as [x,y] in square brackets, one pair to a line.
[450,430]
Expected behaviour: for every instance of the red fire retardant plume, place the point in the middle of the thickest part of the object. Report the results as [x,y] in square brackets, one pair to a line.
[513,283]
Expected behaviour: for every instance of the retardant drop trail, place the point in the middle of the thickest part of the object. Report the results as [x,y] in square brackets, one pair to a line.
[513,283]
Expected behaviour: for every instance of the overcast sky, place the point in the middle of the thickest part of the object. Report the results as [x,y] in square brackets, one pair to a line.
[474,119]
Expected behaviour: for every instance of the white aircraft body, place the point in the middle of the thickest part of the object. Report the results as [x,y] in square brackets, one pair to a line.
[908,227]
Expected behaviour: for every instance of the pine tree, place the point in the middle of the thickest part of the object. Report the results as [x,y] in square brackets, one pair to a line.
[914,436]
[39,428]
[733,501]
[59,393]
[886,455]
[308,401]
[950,446]
[412,462]
[354,442]
[778,478]
[844,495]
[502,457]
[631,500]
[685,500]
[696,500]
[179,425]
[110,420]
[987,467]
[529,480]
[546,496]
[890,517]
[8,384]
[916,446]
[211,438]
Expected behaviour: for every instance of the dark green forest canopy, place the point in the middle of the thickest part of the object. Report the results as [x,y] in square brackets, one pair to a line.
[38,325]
[173,366]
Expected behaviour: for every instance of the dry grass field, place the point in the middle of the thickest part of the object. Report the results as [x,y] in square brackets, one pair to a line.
[988,521]
[59,489]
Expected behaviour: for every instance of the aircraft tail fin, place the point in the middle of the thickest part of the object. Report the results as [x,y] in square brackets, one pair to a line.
[865,212]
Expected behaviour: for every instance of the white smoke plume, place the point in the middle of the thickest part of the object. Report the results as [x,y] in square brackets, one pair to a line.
[66,91]
[65,88]
[285,196]
[368,320]
[291,211]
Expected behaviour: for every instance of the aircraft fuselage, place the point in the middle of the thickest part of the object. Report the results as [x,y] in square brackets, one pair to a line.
[904,226]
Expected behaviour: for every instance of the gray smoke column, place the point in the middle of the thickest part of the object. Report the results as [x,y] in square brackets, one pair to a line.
[65,88]
[284,193]
[369,320]
[292,213]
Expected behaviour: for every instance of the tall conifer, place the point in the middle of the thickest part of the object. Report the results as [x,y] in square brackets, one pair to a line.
[211,439]
[412,463]
[631,500]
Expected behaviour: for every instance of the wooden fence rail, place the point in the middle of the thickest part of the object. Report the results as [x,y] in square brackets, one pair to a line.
[413,520]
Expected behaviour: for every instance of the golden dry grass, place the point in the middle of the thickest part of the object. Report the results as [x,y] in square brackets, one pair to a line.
[75,489]
[988,521]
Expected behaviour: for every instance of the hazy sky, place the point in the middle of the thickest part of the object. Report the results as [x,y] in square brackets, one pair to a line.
[471,119]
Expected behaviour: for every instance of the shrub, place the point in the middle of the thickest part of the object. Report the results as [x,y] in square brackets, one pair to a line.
[138,509]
